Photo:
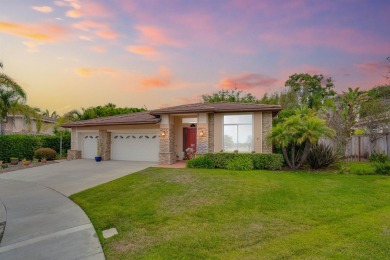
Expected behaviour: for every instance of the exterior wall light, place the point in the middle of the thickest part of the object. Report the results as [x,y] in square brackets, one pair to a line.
[201,134]
[163,133]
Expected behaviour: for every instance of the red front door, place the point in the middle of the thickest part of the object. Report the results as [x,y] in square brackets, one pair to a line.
[189,138]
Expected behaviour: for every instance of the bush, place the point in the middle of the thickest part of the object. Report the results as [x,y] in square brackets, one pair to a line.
[379,158]
[200,162]
[20,146]
[321,156]
[47,153]
[382,168]
[267,161]
[240,163]
[221,160]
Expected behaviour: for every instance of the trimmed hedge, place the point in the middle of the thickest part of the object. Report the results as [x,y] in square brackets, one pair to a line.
[24,146]
[46,153]
[240,163]
[200,162]
[259,161]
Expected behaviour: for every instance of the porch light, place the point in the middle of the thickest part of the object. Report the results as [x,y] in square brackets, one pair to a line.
[163,133]
[201,134]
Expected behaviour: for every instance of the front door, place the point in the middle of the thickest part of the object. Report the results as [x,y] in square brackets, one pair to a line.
[189,139]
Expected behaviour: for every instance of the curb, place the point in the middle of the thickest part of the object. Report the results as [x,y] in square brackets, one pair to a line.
[3,219]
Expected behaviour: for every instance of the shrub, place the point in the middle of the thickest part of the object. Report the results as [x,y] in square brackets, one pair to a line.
[240,163]
[379,158]
[53,142]
[382,168]
[267,161]
[47,153]
[220,160]
[200,162]
[20,146]
[321,156]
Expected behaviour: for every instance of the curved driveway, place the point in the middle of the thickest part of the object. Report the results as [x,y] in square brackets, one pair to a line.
[42,223]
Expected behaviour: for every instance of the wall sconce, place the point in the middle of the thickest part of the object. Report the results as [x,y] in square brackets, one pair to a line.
[163,133]
[201,134]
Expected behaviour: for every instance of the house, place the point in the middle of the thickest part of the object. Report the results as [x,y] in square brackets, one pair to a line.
[163,135]
[16,124]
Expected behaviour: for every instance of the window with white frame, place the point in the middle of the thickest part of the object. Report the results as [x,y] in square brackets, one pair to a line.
[238,133]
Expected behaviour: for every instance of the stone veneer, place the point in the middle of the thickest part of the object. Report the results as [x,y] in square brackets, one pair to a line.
[266,129]
[167,153]
[74,154]
[211,133]
[104,143]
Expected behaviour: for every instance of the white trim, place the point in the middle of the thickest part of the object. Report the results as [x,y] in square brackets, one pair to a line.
[136,131]
[87,131]
[238,114]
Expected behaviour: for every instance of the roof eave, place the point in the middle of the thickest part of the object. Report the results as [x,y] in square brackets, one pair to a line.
[111,124]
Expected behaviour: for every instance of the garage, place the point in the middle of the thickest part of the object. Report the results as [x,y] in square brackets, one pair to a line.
[89,145]
[140,146]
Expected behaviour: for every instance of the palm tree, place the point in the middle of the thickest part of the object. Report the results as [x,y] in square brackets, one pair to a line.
[302,129]
[11,95]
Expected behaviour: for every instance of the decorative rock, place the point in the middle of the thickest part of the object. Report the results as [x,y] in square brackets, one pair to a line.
[110,232]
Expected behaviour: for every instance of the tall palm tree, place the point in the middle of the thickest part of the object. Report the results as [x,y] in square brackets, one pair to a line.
[11,95]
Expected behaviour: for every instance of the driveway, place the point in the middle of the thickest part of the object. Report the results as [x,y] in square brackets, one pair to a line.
[42,223]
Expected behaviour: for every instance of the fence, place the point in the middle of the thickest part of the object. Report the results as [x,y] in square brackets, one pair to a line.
[360,148]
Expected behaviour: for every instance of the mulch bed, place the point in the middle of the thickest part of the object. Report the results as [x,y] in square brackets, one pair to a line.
[20,166]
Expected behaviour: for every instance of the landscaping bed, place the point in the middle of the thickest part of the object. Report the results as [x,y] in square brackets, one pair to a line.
[20,166]
[214,213]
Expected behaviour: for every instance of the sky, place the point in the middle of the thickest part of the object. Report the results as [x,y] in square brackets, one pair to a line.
[69,54]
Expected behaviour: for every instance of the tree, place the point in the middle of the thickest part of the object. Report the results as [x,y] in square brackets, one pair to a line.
[11,97]
[300,130]
[308,90]
[226,95]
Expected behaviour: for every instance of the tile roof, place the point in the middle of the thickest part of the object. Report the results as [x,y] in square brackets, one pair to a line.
[139,118]
[217,107]
[152,117]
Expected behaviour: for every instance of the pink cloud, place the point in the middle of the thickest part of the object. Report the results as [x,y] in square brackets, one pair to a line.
[163,79]
[43,33]
[247,81]
[43,9]
[142,50]
[156,36]
[89,72]
[85,9]
[372,66]
[98,49]
[101,30]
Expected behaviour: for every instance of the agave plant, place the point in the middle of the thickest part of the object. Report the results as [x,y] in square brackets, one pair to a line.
[321,156]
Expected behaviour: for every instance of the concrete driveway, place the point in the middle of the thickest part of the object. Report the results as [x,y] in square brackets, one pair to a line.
[42,223]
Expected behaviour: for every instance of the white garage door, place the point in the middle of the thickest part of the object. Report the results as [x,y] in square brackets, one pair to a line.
[135,147]
[89,145]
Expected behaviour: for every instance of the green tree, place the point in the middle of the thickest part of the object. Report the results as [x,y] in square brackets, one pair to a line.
[226,95]
[313,91]
[12,96]
[300,130]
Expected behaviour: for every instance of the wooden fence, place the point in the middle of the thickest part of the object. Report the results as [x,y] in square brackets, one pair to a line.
[359,147]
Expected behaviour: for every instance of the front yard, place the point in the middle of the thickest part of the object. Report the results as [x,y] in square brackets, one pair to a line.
[189,213]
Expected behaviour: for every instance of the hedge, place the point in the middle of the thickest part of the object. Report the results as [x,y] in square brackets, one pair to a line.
[24,146]
[259,161]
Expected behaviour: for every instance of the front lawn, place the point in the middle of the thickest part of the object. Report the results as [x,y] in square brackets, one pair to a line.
[193,213]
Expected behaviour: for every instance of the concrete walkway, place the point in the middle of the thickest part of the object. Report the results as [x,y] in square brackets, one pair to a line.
[42,223]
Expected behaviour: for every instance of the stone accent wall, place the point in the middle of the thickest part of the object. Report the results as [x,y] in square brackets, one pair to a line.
[104,144]
[202,142]
[167,144]
[74,154]
[211,133]
[266,129]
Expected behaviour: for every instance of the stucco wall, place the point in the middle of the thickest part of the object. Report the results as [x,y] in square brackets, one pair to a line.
[257,130]
[218,124]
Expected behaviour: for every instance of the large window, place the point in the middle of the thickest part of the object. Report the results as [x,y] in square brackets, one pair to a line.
[238,133]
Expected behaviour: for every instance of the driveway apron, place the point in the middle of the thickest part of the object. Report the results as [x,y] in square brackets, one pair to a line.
[41,222]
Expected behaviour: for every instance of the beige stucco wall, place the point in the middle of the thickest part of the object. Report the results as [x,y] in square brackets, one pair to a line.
[257,131]
[218,124]
[17,124]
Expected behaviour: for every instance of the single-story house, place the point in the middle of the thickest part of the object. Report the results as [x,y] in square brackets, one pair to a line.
[163,135]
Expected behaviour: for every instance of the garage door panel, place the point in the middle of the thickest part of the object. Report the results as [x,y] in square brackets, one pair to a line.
[135,147]
[89,145]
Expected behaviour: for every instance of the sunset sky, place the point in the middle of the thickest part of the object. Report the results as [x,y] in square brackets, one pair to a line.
[78,53]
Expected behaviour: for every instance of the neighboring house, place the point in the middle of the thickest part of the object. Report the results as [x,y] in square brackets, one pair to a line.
[16,124]
[163,135]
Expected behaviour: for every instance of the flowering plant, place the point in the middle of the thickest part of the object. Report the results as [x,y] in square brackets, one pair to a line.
[190,153]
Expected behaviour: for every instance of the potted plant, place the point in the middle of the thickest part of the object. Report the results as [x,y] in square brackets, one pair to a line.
[98,157]
[26,162]
[14,160]
[43,160]
[35,160]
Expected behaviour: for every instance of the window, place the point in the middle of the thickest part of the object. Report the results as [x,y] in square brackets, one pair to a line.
[238,133]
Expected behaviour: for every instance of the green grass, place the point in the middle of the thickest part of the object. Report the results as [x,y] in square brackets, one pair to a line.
[360,168]
[220,214]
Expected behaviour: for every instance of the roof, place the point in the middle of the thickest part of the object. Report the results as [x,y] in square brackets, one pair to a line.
[217,107]
[139,118]
[152,117]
